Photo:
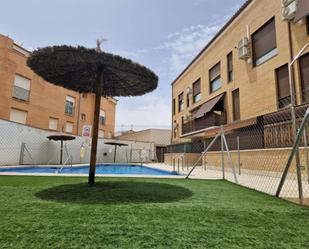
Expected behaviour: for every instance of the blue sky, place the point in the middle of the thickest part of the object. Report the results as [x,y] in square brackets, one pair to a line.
[164,35]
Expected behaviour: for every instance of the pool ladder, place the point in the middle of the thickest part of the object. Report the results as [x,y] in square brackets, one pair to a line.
[70,160]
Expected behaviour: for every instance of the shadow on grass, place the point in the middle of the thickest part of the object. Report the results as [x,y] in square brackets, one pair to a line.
[115,193]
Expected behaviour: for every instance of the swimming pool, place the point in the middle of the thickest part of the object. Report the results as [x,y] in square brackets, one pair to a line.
[101,169]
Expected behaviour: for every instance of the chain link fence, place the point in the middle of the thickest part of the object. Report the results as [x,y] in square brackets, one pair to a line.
[253,153]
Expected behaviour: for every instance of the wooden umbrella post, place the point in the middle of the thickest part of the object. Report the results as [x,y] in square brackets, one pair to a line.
[61,152]
[95,130]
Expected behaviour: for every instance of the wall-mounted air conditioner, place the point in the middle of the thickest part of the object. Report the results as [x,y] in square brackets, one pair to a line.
[186,117]
[244,42]
[243,48]
[189,90]
[286,2]
[243,53]
[289,8]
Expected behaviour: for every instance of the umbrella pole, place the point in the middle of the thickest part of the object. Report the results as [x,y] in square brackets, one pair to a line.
[95,131]
[115,153]
[61,152]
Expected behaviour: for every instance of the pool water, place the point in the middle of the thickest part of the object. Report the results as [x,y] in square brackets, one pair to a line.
[101,169]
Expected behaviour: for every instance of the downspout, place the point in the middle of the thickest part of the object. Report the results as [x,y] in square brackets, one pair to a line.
[291,56]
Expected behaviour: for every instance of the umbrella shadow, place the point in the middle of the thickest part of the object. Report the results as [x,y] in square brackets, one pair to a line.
[115,193]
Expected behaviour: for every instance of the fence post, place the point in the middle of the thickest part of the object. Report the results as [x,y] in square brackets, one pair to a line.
[306,153]
[222,153]
[22,153]
[289,162]
[203,154]
[230,158]
[238,152]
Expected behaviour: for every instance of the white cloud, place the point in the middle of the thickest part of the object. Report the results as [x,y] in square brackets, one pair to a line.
[150,111]
[186,44]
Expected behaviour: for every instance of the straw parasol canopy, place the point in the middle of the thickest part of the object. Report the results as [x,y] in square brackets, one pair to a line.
[92,71]
[77,68]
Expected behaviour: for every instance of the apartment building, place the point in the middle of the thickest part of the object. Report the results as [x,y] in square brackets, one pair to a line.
[242,72]
[27,99]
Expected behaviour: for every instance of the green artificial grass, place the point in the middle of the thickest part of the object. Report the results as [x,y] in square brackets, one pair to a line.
[64,212]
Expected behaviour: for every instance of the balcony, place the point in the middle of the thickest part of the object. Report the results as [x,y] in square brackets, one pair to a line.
[209,120]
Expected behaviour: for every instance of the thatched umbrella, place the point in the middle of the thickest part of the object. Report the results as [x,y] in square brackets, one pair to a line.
[61,138]
[116,144]
[92,71]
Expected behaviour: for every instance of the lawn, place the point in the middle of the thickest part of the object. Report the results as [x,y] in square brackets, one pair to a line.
[63,212]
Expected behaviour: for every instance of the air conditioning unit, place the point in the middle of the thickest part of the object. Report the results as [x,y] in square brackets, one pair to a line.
[289,10]
[285,3]
[186,118]
[189,90]
[243,48]
[244,42]
[243,53]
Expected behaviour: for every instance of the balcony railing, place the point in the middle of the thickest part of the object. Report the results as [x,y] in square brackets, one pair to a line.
[209,120]
[21,93]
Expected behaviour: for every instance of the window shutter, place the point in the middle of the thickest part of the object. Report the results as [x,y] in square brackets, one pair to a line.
[304,72]
[22,82]
[197,87]
[18,116]
[70,99]
[236,105]
[230,62]
[180,97]
[264,40]
[69,127]
[215,72]
[283,85]
[53,124]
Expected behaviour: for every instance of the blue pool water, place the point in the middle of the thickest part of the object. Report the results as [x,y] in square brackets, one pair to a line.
[101,169]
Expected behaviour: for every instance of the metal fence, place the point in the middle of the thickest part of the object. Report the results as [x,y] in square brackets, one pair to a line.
[262,154]
[256,153]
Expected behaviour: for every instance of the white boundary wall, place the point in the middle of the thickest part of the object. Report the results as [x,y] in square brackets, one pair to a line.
[42,151]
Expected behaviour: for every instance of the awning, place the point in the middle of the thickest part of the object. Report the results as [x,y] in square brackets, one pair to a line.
[207,107]
[302,10]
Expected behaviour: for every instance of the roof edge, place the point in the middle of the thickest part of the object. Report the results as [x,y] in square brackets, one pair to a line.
[226,25]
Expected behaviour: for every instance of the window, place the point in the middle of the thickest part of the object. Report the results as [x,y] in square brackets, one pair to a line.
[180,102]
[304,73]
[174,107]
[102,117]
[110,135]
[215,78]
[230,75]
[307,25]
[188,100]
[283,86]
[21,89]
[53,124]
[83,117]
[18,116]
[236,105]
[264,43]
[197,91]
[69,106]
[101,133]
[69,127]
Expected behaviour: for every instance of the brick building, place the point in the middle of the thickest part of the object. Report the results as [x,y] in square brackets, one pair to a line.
[26,98]
[242,73]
